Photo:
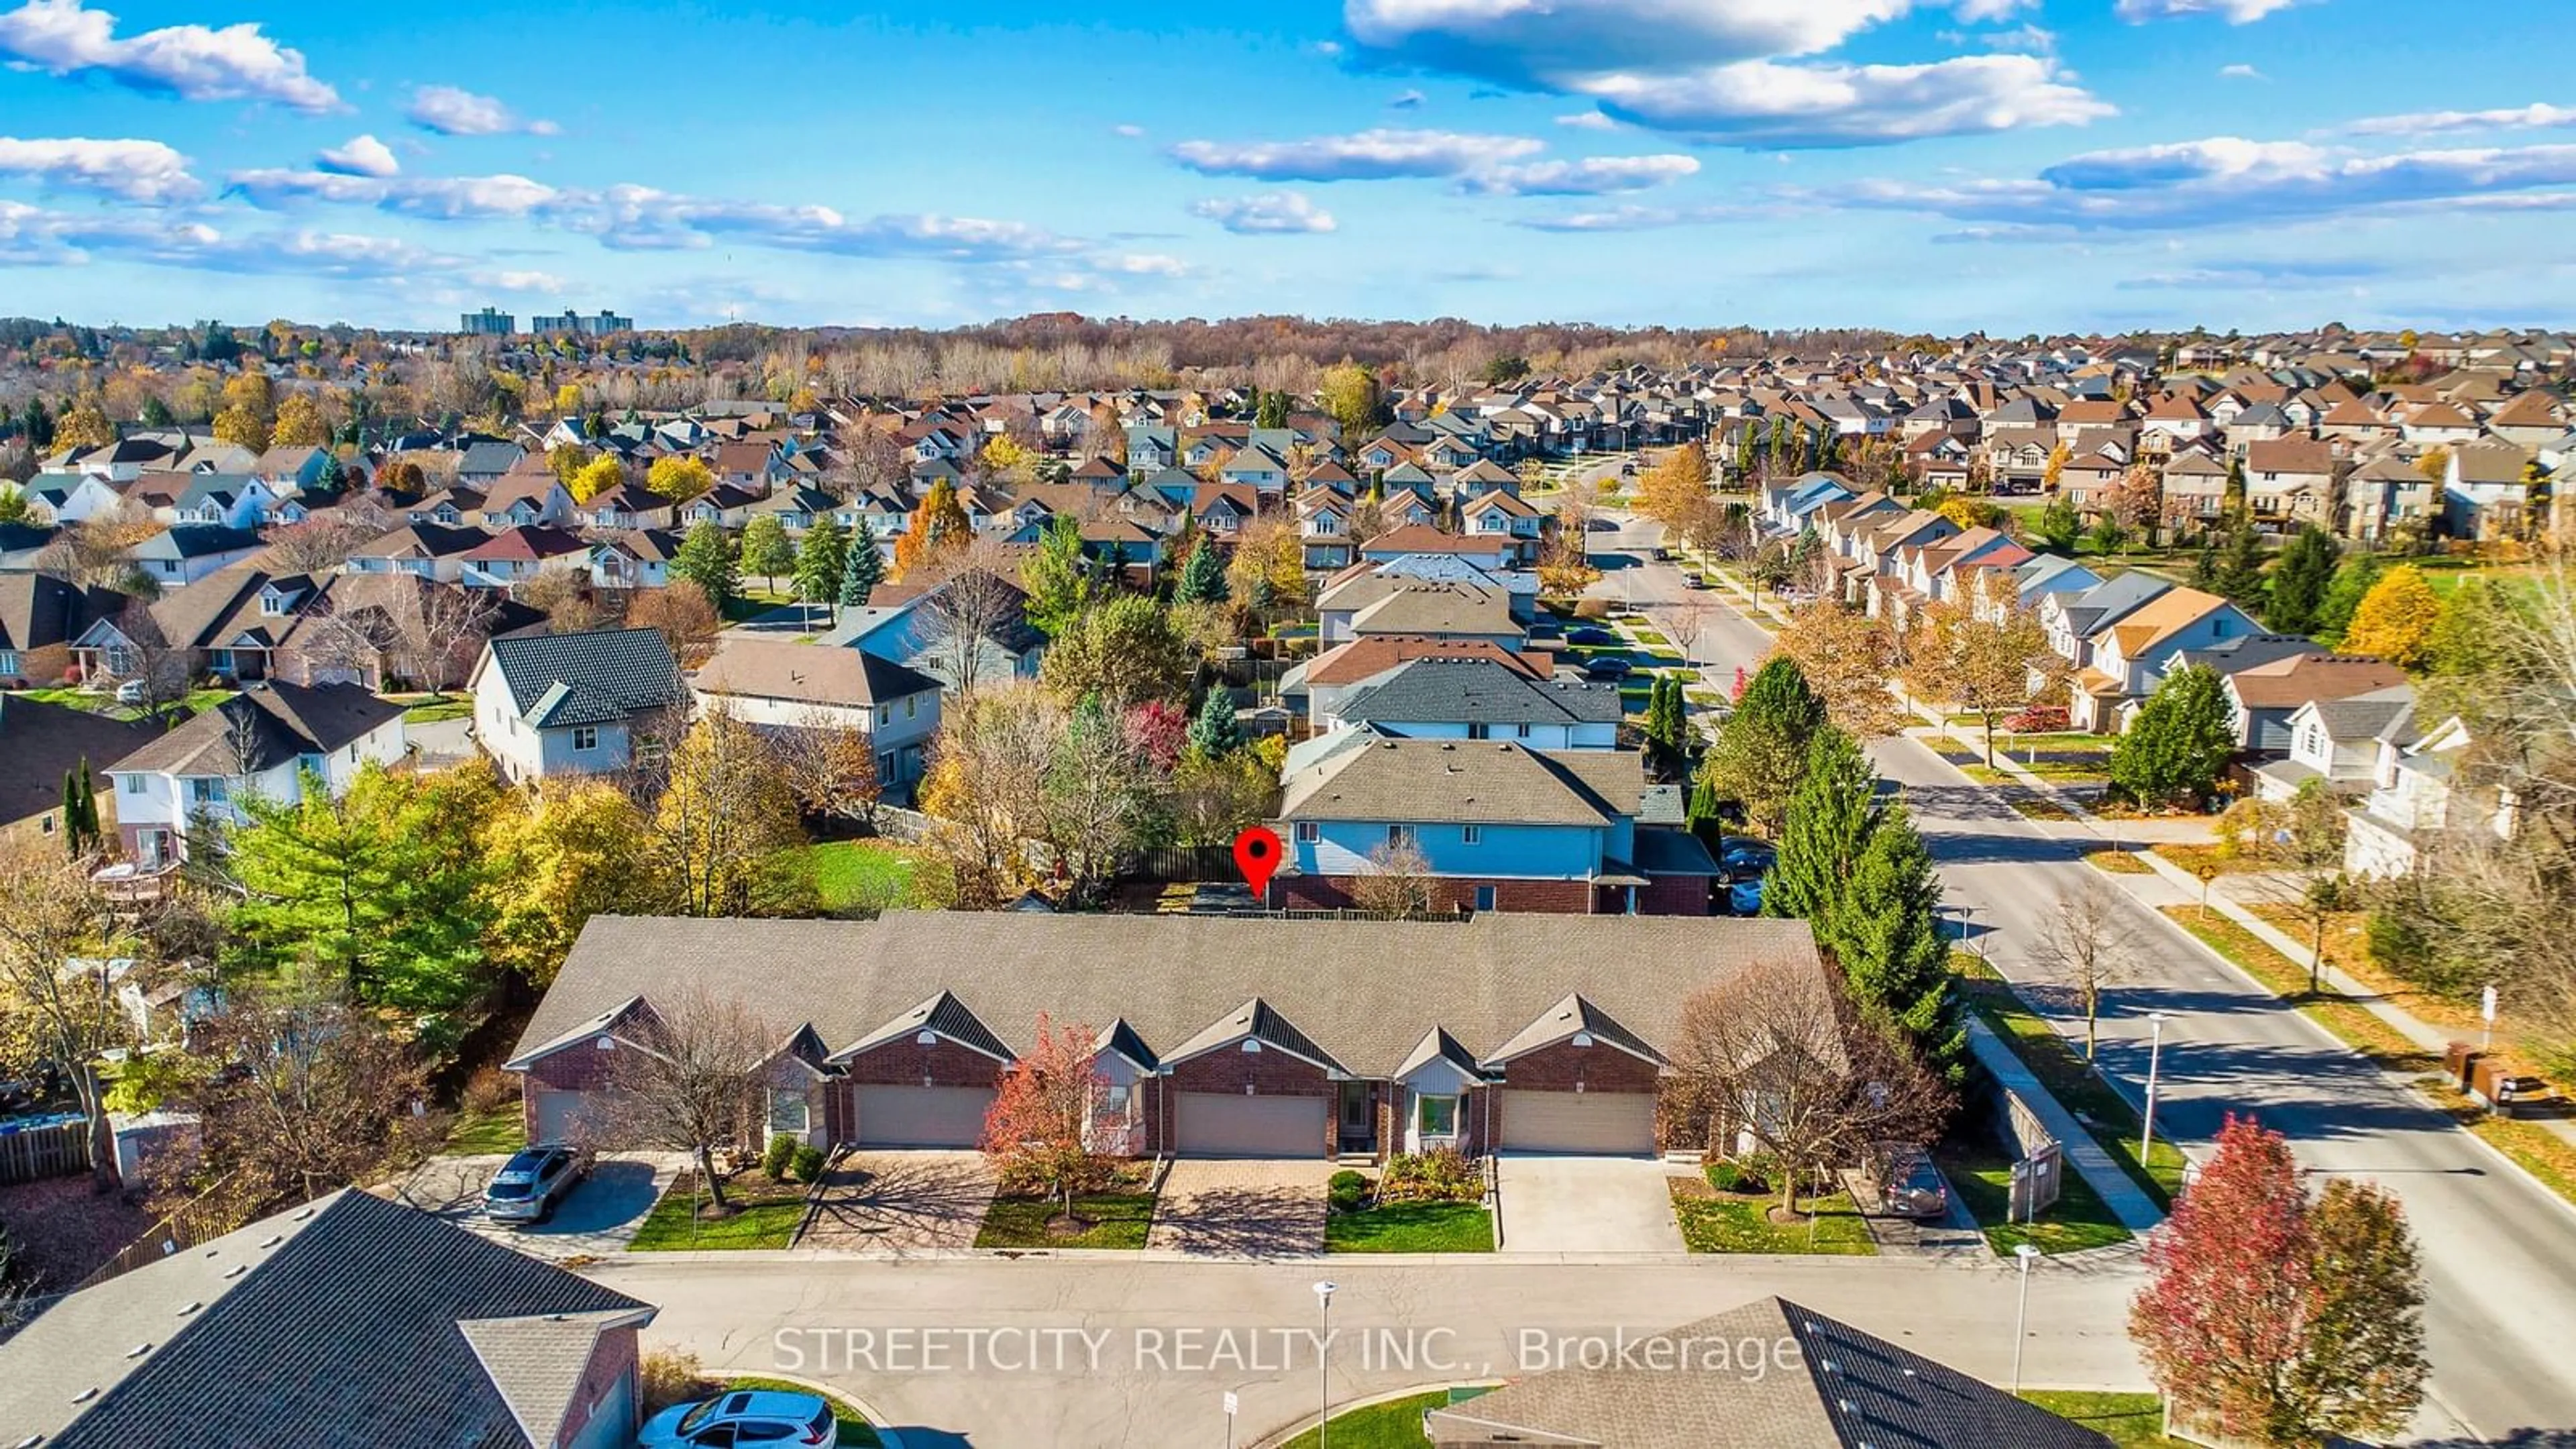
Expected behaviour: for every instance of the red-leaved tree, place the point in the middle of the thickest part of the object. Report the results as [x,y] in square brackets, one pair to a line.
[1037,1133]
[2273,1318]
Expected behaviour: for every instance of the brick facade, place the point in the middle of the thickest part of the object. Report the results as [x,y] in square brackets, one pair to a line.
[1228,1070]
[907,1063]
[1677,895]
[612,1360]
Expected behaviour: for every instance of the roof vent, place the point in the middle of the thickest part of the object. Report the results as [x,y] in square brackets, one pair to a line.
[272,1240]
[138,1351]
[85,1395]
[235,1271]
[308,1212]
[189,1307]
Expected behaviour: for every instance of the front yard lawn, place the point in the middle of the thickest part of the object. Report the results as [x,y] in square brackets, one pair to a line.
[1733,1222]
[1117,1220]
[765,1216]
[854,1427]
[502,1129]
[1412,1227]
[1395,1424]
[2033,807]
[1982,1176]
[2129,1421]
[871,875]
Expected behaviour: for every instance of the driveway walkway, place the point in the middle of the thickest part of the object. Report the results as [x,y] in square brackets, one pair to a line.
[903,1201]
[599,1217]
[1247,1207]
[1586,1205]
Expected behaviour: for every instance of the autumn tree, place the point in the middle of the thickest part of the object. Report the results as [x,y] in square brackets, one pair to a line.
[679,478]
[1776,1058]
[983,789]
[2279,1318]
[1268,570]
[83,425]
[1124,651]
[2087,941]
[831,767]
[1565,567]
[1846,657]
[2396,620]
[1674,486]
[938,527]
[726,811]
[961,620]
[243,428]
[1038,1130]
[1761,750]
[683,615]
[558,859]
[1352,397]
[1395,881]
[49,916]
[1992,665]
[594,477]
[688,1080]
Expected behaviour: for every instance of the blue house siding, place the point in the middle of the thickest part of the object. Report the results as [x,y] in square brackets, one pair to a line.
[1527,852]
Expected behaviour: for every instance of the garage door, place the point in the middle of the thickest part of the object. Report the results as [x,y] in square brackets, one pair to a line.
[922,1116]
[1220,1124]
[589,1118]
[1604,1122]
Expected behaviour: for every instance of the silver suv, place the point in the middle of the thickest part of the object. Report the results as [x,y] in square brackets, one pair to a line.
[533,1183]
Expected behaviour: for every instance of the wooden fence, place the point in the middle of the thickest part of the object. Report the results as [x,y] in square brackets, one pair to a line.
[41,1152]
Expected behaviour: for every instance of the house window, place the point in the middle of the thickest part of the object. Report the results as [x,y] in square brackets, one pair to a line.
[1480,731]
[1471,835]
[1436,1116]
[912,706]
[585,738]
[8,661]
[1484,898]
[1399,835]
[788,1112]
[1308,832]
[885,714]
[272,606]
[206,791]
[130,784]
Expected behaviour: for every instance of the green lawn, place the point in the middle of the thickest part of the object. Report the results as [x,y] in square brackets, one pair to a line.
[1982,1176]
[438,708]
[2060,1068]
[1118,1220]
[870,875]
[855,1429]
[195,702]
[1412,1227]
[502,1129]
[1395,1424]
[1737,1223]
[766,1217]
[2130,1421]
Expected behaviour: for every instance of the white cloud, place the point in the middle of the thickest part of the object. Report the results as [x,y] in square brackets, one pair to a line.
[1537,44]
[1987,12]
[2537,116]
[1760,103]
[1269,213]
[1635,218]
[192,62]
[33,237]
[1131,132]
[2234,12]
[141,171]
[362,156]
[1588,121]
[1592,176]
[2226,181]
[452,112]
[2240,71]
[520,281]
[1375,155]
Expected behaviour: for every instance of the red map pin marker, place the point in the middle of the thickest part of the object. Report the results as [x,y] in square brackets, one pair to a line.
[1256,853]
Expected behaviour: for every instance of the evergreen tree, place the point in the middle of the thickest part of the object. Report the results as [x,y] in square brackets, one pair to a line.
[1885,931]
[2240,567]
[89,805]
[709,559]
[37,424]
[2299,581]
[2059,525]
[820,562]
[2351,584]
[1761,754]
[2180,743]
[1203,577]
[862,569]
[1060,582]
[1271,409]
[2204,567]
[1213,732]
[71,814]
[1831,817]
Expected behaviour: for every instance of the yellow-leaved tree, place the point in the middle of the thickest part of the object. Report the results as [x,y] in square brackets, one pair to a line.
[84,425]
[242,428]
[558,861]
[679,479]
[299,423]
[727,812]
[594,478]
[2396,619]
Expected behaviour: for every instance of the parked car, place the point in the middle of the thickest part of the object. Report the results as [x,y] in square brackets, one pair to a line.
[745,1417]
[1907,1183]
[533,1183]
[1606,669]
[1694,581]
[1739,856]
[1589,635]
[134,691]
[1744,897]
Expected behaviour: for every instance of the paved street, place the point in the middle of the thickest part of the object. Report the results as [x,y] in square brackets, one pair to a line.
[1162,1372]
[2499,1252]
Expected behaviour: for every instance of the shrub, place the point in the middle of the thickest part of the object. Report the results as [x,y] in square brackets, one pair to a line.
[1347,1191]
[1727,1176]
[488,1090]
[782,1150]
[1592,608]
[667,1376]
[1443,1174]
[2038,719]
[809,1163]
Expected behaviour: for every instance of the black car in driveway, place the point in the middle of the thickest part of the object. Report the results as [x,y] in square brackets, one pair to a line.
[1591,637]
[1606,668]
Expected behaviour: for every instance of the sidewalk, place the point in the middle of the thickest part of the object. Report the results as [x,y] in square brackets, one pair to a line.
[2128,1202]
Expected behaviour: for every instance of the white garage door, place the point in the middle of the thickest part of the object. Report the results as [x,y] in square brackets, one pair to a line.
[1602,1122]
[589,1118]
[922,1116]
[1221,1124]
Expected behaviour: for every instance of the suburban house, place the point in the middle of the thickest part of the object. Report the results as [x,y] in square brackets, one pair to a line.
[184,553]
[2072,619]
[1389,599]
[261,742]
[774,684]
[2290,482]
[1218,1036]
[1488,550]
[40,618]
[349,1310]
[2416,795]
[1500,513]
[574,704]
[1481,699]
[2264,693]
[1321,683]
[1500,826]
[2339,742]
[2125,657]
[968,629]
[42,742]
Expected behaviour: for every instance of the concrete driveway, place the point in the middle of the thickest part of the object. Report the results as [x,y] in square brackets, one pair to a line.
[599,1217]
[902,1202]
[1585,1205]
[1242,1207]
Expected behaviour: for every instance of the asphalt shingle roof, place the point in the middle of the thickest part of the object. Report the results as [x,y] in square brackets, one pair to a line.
[585,679]
[1478,691]
[264,727]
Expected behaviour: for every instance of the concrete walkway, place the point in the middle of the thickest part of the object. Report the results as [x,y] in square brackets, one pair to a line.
[2128,1202]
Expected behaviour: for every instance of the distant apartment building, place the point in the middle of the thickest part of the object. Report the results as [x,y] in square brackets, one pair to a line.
[600,326]
[490,322]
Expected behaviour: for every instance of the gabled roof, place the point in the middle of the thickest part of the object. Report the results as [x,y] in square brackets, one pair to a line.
[779,669]
[263,727]
[1254,1020]
[591,678]
[1438,1045]
[1571,1019]
[945,1016]
[39,611]
[1478,691]
[41,741]
[1467,782]
[348,1310]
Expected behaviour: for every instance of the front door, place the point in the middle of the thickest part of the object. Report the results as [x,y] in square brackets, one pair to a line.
[1358,1118]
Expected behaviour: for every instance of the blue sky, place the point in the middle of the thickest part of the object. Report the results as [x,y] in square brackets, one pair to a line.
[2010,165]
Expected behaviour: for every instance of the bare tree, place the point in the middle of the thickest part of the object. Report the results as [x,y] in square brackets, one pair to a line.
[831,767]
[1777,1055]
[962,617]
[50,919]
[2088,940]
[148,658]
[690,1081]
[1398,881]
[683,615]
[374,628]
[325,539]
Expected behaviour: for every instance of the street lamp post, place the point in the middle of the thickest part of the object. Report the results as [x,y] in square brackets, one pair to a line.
[2155,1058]
[2021,1317]
[1323,1358]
